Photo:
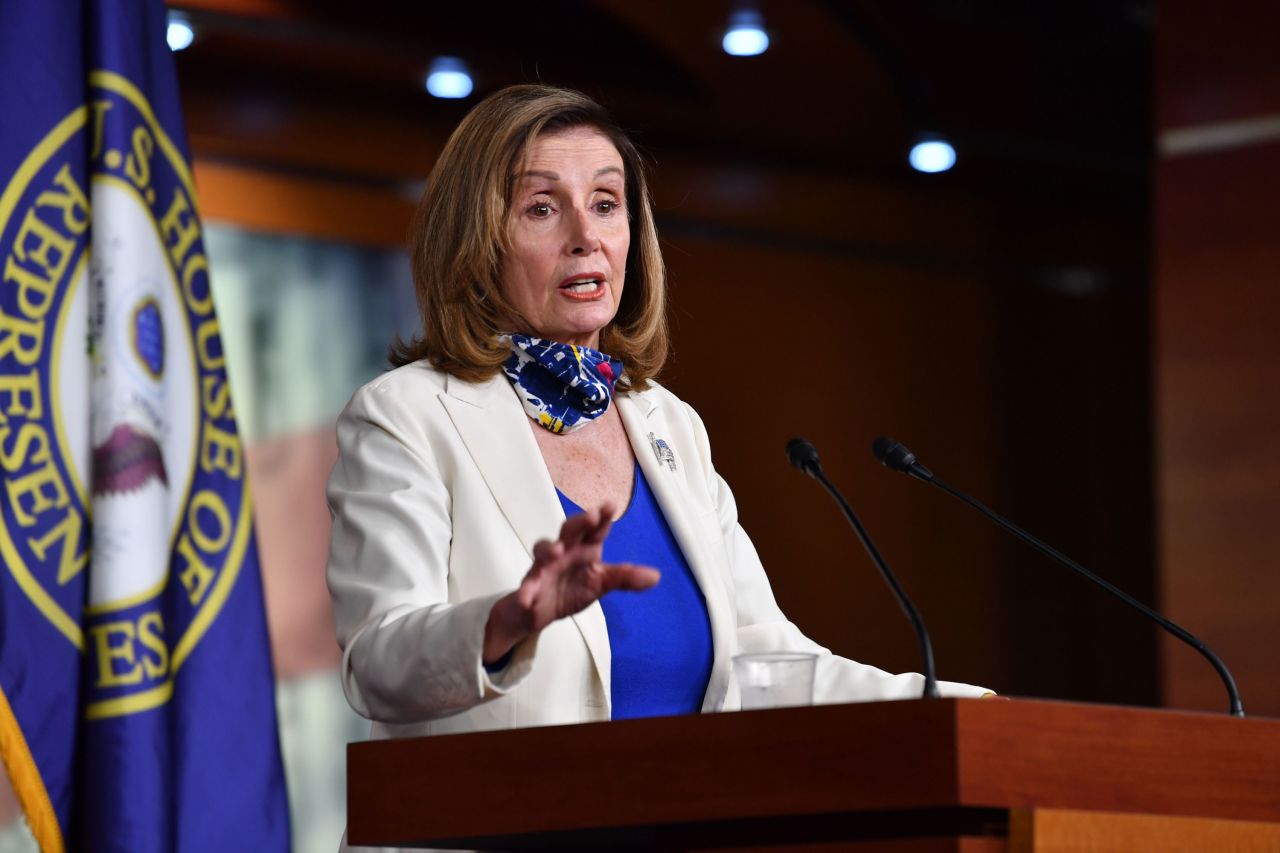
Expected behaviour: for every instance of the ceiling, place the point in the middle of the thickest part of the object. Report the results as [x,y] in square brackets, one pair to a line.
[1029,90]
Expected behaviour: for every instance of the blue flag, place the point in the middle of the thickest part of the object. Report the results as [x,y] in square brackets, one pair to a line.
[136,697]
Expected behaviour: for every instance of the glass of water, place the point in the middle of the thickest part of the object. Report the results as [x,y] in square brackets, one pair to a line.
[775,679]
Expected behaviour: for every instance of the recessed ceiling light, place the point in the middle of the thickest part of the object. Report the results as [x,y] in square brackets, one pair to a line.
[746,35]
[180,33]
[449,78]
[932,155]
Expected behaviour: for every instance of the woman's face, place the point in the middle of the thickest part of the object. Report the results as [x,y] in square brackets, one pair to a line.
[569,237]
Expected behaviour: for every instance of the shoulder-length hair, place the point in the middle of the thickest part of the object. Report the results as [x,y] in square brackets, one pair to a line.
[460,233]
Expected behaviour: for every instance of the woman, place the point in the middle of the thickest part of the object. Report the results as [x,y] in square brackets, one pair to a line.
[459,606]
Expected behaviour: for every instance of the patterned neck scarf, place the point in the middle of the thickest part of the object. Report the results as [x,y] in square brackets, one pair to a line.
[562,387]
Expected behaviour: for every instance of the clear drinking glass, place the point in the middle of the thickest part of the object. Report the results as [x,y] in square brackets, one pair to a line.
[775,679]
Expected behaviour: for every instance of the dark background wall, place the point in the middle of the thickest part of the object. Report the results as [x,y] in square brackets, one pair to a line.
[1216,351]
[1000,379]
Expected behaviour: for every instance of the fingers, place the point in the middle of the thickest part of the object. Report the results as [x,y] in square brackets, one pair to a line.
[597,534]
[629,576]
[527,592]
[590,527]
[603,525]
[545,551]
[546,554]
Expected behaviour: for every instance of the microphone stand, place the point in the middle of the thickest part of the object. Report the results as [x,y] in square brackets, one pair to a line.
[804,456]
[896,457]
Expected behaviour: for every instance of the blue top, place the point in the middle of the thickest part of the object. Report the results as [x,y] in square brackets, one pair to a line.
[660,639]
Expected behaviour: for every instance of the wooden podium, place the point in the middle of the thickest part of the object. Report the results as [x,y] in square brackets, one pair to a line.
[944,774]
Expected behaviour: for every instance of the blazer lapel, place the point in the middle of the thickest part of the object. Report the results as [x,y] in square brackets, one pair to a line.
[495,430]
[645,423]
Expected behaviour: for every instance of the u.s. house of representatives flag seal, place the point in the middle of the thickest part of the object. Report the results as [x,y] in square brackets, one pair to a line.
[137,703]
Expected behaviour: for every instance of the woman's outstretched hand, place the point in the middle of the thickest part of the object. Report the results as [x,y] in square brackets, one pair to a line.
[567,576]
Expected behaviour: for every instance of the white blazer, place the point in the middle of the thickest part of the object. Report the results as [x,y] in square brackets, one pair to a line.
[438,497]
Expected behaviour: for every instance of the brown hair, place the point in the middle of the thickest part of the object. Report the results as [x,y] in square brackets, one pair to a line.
[460,231]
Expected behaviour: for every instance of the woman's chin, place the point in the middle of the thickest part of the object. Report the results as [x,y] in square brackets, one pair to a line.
[590,339]
[585,333]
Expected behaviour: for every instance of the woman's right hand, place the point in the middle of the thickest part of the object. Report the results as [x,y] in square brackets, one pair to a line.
[567,575]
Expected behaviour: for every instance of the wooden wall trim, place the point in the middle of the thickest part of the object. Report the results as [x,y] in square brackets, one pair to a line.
[280,203]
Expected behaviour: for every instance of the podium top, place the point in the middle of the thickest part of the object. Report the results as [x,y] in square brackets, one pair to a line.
[960,762]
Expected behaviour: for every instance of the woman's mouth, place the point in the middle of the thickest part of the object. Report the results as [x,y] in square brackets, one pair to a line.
[583,287]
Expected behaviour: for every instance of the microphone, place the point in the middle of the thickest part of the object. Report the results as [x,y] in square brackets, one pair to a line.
[804,456]
[897,457]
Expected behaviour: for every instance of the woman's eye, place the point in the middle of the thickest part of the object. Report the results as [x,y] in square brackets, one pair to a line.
[606,206]
[540,210]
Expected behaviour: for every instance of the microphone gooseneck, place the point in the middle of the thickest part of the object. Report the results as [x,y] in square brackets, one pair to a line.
[897,457]
[804,456]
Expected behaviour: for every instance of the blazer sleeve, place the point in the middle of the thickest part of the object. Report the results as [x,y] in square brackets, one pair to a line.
[762,626]
[409,654]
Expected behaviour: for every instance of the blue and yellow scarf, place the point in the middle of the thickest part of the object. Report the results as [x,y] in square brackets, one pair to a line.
[563,387]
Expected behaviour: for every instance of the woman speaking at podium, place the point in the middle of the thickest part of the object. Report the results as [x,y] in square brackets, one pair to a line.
[527,528]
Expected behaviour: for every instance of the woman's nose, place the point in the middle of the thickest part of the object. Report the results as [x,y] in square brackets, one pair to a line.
[583,239]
